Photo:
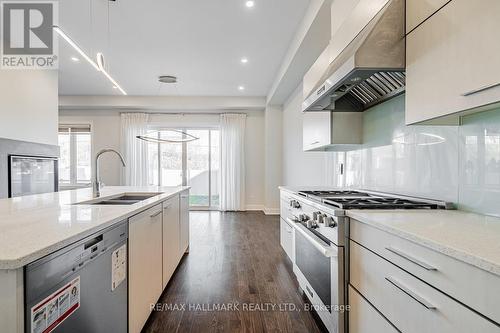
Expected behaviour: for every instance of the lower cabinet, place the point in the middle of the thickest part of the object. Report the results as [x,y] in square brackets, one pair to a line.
[145,265]
[408,303]
[363,318]
[184,218]
[171,236]
[158,237]
[286,238]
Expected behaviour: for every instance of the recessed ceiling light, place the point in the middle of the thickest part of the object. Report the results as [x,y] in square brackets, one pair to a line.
[250,3]
[241,88]
[244,60]
[75,59]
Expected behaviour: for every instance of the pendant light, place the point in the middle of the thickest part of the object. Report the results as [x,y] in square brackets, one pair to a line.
[167,136]
[99,63]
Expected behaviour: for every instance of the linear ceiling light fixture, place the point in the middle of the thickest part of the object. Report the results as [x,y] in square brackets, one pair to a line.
[99,65]
[75,46]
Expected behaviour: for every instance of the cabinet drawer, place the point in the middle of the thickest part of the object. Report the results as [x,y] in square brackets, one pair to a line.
[286,238]
[363,318]
[470,285]
[408,303]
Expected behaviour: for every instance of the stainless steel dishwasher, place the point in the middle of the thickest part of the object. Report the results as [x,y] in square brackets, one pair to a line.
[81,288]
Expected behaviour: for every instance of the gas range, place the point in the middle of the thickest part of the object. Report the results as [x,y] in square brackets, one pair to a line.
[320,240]
[323,211]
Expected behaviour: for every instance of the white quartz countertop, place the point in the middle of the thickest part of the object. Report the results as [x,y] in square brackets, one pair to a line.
[36,225]
[469,237]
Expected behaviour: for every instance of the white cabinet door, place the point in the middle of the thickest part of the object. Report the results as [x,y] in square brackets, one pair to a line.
[286,238]
[145,265]
[452,61]
[184,211]
[419,10]
[171,238]
[316,129]
[332,130]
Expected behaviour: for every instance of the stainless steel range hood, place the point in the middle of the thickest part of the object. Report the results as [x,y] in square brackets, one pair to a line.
[371,68]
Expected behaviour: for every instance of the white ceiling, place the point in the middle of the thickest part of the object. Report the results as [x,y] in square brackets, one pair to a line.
[200,41]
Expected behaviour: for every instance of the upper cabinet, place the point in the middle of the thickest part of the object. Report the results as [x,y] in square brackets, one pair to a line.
[335,131]
[452,61]
[418,11]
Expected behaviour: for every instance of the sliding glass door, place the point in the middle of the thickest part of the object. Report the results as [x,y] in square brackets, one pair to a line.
[194,163]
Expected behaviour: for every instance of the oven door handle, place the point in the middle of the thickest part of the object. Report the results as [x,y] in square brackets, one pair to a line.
[327,251]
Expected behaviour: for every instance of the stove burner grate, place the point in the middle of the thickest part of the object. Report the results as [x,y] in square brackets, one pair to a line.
[378,203]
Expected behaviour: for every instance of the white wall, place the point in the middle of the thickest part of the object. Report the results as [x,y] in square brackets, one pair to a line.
[106,134]
[273,155]
[254,160]
[299,168]
[29,105]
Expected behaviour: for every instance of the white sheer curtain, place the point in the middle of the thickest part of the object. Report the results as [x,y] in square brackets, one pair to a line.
[134,150]
[232,131]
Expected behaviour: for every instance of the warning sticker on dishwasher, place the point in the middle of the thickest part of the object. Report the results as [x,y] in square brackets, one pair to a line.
[55,308]
[118,266]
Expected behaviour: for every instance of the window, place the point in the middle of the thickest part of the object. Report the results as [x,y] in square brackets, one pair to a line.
[195,163]
[75,155]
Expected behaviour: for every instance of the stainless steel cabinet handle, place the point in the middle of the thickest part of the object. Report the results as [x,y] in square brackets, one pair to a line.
[185,196]
[411,259]
[155,214]
[167,206]
[475,91]
[313,143]
[410,293]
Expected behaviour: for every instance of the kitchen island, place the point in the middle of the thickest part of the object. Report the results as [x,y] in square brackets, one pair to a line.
[32,227]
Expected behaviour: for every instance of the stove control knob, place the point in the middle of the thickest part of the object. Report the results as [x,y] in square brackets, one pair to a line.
[321,218]
[330,222]
[303,218]
[315,216]
[296,204]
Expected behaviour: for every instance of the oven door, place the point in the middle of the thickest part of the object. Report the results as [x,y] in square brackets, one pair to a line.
[320,274]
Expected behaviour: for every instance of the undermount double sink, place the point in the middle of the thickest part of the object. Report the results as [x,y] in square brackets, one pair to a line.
[120,199]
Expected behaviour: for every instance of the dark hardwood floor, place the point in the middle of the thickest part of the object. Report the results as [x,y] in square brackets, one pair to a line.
[235,260]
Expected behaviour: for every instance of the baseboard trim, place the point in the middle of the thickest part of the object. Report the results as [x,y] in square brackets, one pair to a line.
[271,211]
[255,207]
[261,208]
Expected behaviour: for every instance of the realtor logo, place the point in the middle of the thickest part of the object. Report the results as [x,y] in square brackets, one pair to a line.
[27,37]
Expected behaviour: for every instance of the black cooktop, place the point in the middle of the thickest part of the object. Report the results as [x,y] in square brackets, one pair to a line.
[378,203]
